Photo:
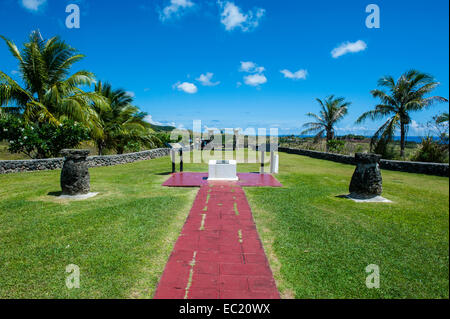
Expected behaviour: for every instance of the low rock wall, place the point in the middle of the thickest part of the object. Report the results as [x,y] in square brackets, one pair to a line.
[94,161]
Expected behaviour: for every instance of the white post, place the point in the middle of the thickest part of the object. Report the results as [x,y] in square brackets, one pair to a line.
[261,170]
[276,160]
[272,167]
[172,155]
[235,139]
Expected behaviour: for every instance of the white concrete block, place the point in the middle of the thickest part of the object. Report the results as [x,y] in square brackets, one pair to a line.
[219,170]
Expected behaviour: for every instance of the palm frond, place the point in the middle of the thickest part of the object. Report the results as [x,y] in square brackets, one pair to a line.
[10,91]
[317,117]
[442,118]
[13,49]
[384,135]
[37,110]
[388,82]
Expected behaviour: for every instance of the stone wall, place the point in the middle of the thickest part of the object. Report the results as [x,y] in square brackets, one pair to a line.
[107,160]
[437,169]
[56,163]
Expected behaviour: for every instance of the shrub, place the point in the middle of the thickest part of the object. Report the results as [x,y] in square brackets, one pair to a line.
[385,148]
[431,151]
[132,146]
[335,146]
[164,138]
[40,140]
[359,148]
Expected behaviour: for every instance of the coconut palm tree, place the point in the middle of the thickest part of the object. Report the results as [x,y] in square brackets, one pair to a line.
[333,109]
[404,96]
[121,122]
[49,92]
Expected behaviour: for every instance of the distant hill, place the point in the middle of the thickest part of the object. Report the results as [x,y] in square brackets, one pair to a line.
[160,128]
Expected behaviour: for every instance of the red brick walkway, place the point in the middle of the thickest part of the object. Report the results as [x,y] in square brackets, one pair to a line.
[219,253]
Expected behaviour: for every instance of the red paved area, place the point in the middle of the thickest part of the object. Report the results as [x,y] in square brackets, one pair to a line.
[219,253]
[190,179]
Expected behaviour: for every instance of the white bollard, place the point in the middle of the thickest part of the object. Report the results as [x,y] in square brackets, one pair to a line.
[271,161]
[275,163]
[172,156]
[261,170]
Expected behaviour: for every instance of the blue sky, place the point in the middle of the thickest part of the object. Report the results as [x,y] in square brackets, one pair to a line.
[269,60]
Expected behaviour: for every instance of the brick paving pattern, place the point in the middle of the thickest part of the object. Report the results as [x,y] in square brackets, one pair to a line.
[218,254]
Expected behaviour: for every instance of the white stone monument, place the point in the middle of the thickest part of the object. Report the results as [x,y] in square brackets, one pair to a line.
[220,170]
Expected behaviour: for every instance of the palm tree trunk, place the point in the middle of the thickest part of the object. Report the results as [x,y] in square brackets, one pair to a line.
[100,148]
[402,139]
[329,137]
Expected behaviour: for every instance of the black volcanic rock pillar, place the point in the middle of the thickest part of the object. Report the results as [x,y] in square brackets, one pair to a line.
[75,178]
[366,180]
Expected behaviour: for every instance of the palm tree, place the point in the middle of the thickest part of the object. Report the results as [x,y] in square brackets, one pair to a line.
[333,109]
[49,92]
[404,96]
[121,122]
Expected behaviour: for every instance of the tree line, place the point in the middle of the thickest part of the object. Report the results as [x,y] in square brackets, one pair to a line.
[397,100]
[53,109]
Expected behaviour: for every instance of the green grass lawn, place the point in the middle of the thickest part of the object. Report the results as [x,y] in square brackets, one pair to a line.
[120,239]
[318,244]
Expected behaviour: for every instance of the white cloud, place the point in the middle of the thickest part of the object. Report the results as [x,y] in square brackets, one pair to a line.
[186,87]
[348,47]
[150,120]
[255,79]
[232,17]
[300,74]
[251,67]
[15,72]
[33,5]
[418,128]
[205,79]
[175,9]
[130,93]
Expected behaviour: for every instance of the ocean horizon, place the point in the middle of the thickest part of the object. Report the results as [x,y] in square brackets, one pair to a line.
[416,139]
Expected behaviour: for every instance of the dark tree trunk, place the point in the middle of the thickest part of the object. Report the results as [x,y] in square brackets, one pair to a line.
[330,136]
[40,154]
[402,139]
[100,149]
